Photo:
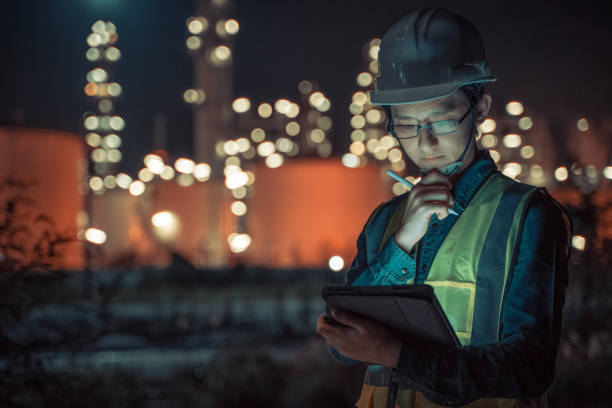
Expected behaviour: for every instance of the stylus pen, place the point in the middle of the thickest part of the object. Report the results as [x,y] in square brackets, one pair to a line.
[410,185]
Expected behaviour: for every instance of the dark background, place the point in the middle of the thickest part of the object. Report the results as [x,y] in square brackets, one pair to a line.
[552,56]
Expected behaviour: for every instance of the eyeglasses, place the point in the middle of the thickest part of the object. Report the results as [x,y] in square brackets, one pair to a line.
[441,127]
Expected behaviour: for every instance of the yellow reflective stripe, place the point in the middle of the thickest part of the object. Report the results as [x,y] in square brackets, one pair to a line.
[376,397]
[461,324]
[365,399]
[460,251]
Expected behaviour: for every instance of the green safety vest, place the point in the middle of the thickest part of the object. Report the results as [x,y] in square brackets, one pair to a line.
[469,276]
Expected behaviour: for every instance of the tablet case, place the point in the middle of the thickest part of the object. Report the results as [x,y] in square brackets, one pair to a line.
[412,310]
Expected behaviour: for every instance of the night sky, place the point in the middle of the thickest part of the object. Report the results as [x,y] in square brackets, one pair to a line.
[556,60]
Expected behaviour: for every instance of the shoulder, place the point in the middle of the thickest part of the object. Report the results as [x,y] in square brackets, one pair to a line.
[386,208]
[545,215]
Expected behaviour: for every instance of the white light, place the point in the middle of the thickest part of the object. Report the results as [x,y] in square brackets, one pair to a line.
[489,140]
[114,89]
[117,123]
[373,52]
[91,122]
[232,26]
[512,169]
[167,173]
[114,156]
[95,236]
[112,141]
[137,188]
[350,160]
[231,147]
[154,163]
[185,180]
[266,148]
[93,139]
[222,53]
[183,165]
[166,225]
[202,171]
[145,174]
[527,152]
[514,108]
[274,160]
[241,105]
[578,242]
[607,172]
[488,125]
[525,123]
[495,155]
[96,183]
[561,173]
[336,263]
[582,125]
[231,169]
[239,242]
[196,25]
[512,140]
[236,180]
[123,180]
[364,79]
[536,171]
[238,208]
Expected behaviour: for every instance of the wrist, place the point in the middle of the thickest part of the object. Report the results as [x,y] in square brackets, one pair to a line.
[403,243]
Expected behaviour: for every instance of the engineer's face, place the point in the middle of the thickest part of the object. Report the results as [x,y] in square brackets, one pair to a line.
[429,151]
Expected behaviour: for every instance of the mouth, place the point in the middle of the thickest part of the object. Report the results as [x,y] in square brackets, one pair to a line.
[428,159]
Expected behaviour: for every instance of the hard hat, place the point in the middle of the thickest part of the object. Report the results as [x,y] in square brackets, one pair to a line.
[427,55]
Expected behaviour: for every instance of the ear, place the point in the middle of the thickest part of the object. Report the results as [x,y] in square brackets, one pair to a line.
[482,109]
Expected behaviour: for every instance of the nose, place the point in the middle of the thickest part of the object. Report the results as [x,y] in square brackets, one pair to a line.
[426,141]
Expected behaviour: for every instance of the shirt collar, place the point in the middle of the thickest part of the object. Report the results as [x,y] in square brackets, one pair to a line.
[472,178]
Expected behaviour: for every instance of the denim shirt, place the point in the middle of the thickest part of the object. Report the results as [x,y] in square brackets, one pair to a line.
[522,365]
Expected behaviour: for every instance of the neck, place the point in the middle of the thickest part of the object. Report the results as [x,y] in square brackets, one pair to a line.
[470,156]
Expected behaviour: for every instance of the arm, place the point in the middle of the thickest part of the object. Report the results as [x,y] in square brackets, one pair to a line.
[522,365]
[390,263]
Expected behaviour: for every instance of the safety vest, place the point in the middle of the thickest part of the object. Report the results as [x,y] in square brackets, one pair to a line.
[469,275]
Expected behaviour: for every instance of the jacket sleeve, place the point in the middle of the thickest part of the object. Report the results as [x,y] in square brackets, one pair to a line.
[522,364]
[391,261]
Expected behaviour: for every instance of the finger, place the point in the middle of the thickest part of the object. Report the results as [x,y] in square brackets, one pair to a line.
[434,194]
[329,331]
[435,176]
[432,207]
[348,318]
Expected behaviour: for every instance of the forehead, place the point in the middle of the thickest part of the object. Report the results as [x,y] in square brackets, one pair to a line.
[421,110]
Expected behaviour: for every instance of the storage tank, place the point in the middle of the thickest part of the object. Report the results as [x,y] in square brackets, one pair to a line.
[309,209]
[54,161]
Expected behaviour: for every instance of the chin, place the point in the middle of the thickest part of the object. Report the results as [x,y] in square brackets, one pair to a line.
[433,164]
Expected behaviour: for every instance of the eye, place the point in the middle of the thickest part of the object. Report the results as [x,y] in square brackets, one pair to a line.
[443,125]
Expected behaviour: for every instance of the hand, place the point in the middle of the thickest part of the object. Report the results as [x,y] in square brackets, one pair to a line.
[430,196]
[365,339]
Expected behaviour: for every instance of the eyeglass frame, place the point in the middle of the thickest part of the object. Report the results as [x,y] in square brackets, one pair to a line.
[391,126]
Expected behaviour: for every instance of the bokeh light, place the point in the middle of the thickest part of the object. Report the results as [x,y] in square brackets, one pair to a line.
[336,263]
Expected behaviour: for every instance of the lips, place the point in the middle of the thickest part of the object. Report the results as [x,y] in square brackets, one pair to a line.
[432,158]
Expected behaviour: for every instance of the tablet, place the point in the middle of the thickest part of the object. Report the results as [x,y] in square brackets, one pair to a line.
[412,310]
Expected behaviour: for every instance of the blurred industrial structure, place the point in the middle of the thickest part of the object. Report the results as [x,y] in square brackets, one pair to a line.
[262,185]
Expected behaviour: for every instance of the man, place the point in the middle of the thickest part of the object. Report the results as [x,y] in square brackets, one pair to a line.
[499,269]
